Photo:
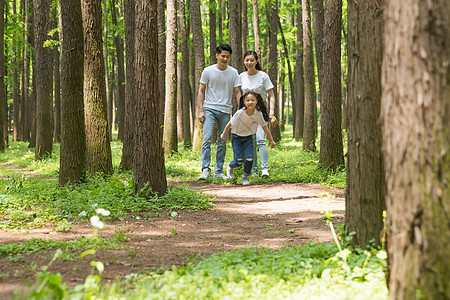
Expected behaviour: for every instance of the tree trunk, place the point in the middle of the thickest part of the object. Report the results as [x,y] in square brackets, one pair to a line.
[170,141]
[235,36]
[128,131]
[57,80]
[309,126]
[331,147]
[273,62]
[185,85]
[212,32]
[220,20]
[365,201]
[73,136]
[162,49]
[44,80]
[318,22]
[244,27]
[24,109]
[105,58]
[199,56]
[120,76]
[415,114]
[298,102]
[256,27]
[98,157]
[149,154]
[16,84]
[3,104]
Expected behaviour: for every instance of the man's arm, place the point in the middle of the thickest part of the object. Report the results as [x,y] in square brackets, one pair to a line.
[201,99]
[238,93]
[272,119]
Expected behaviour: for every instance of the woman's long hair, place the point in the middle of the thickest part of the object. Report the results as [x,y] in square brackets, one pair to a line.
[255,55]
[261,106]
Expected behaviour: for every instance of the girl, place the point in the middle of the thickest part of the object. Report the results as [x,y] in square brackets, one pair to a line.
[252,112]
[254,79]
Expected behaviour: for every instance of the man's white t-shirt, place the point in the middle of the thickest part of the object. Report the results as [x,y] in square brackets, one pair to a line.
[259,83]
[219,87]
[245,125]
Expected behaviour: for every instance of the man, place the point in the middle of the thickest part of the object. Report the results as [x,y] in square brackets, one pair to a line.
[215,94]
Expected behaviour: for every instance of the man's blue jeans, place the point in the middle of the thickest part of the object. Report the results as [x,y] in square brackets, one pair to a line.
[211,117]
[242,146]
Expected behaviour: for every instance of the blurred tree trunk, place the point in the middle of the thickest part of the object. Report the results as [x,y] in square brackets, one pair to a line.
[256,28]
[126,162]
[57,80]
[220,19]
[415,114]
[244,27]
[199,56]
[170,141]
[365,200]
[318,22]
[288,61]
[120,75]
[16,81]
[185,85]
[73,137]
[149,154]
[44,80]
[109,97]
[25,107]
[331,145]
[298,103]
[235,29]
[273,61]
[3,104]
[162,50]
[309,125]
[98,157]
[212,32]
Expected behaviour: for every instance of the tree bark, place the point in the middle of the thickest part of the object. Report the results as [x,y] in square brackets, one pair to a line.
[298,102]
[162,49]
[170,141]
[185,85]
[331,145]
[25,109]
[235,29]
[109,97]
[415,114]
[199,58]
[98,157]
[318,22]
[44,80]
[256,27]
[16,84]
[57,106]
[309,126]
[3,103]
[126,162]
[244,27]
[212,32]
[149,169]
[73,137]
[365,200]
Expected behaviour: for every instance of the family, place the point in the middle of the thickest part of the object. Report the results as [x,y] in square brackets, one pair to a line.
[248,125]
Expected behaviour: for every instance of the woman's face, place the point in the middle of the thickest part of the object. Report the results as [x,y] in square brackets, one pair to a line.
[250,62]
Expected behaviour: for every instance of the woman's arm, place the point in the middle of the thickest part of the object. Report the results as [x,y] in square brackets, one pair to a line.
[269,135]
[272,119]
[223,136]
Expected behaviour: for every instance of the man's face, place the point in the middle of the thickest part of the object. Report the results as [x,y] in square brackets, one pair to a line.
[223,57]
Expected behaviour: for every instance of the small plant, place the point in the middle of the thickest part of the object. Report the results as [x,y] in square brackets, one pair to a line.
[173,231]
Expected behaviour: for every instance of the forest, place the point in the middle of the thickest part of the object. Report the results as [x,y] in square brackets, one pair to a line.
[100,151]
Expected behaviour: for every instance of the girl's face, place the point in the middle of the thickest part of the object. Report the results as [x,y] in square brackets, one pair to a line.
[250,101]
[250,62]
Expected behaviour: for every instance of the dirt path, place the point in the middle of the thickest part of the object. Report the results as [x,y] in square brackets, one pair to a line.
[264,215]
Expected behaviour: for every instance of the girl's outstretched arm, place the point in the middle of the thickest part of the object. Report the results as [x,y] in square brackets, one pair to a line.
[223,136]
[269,135]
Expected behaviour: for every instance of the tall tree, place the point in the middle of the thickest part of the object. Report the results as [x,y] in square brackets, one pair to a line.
[170,141]
[3,103]
[57,93]
[16,84]
[162,49]
[120,74]
[199,58]
[109,98]
[272,8]
[331,144]
[244,26]
[256,27]
[235,28]
[98,156]
[415,113]
[288,61]
[212,32]
[25,107]
[44,80]
[149,154]
[128,135]
[298,103]
[73,136]
[185,85]
[309,125]
[365,201]
[318,23]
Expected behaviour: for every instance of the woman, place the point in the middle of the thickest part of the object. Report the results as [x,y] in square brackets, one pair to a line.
[254,79]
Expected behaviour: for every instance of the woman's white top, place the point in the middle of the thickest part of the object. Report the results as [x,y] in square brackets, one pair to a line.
[259,83]
[244,125]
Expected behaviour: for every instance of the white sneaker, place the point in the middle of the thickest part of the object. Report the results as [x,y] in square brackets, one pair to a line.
[230,172]
[220,176]
[264,173]
[245,180]
[206,174]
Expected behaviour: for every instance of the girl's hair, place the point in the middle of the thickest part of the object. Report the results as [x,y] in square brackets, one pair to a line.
[255,55]
[261,106]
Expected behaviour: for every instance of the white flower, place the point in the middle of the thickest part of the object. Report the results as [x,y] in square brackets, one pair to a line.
[95,221]
[174,214]
[102,211]
[82,214]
